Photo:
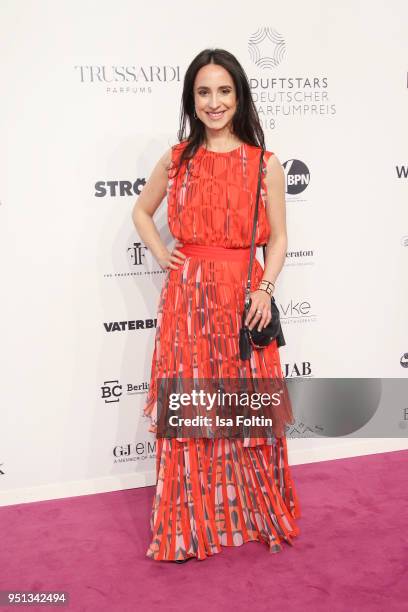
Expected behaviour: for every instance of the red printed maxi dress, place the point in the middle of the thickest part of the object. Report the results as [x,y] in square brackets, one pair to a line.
[215,492]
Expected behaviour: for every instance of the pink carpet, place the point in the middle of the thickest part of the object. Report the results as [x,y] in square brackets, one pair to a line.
[351,555]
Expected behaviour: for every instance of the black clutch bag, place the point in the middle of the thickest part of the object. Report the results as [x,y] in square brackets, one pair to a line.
[250,338]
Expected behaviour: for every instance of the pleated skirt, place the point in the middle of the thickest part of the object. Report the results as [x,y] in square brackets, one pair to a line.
[214,492]
[217,492]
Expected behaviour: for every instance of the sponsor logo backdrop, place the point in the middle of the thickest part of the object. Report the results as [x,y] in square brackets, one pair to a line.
[90,102]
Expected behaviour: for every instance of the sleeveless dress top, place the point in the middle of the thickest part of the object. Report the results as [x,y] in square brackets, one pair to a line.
[211,201]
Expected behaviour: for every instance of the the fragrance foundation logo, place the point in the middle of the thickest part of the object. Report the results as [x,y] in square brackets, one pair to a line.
[115,189]
[302,257]
[113,390]
[135,451]
[138,264]
[283,95]
[142,79]
[132,325]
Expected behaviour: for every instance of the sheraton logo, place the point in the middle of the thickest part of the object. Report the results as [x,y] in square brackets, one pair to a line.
[302,257]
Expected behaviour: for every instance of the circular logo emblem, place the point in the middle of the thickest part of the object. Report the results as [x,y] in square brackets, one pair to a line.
[297,176]
[404,360]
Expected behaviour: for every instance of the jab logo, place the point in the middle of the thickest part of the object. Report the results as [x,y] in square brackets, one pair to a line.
[297,176]
[119,188]
[295,370]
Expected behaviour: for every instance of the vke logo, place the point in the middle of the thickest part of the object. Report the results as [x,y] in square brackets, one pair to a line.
[299,309]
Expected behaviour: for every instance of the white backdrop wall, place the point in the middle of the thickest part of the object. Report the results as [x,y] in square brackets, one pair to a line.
[80,137]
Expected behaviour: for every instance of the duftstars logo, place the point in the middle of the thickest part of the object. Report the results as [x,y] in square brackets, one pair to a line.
[278,95]
[266,48]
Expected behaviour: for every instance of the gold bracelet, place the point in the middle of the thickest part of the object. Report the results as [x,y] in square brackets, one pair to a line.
[269,285]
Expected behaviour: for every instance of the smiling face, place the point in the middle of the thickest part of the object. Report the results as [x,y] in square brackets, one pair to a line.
[215,97]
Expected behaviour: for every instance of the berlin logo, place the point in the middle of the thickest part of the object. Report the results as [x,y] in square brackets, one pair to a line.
[266,48]
[297,176]
[112,390]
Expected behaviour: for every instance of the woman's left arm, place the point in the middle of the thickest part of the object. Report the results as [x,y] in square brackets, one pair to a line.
[277,244]
[260,311]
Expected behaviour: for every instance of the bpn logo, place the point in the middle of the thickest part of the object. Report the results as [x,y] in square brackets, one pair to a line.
[297,176]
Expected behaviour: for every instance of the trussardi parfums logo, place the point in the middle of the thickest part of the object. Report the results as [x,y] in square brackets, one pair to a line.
[142,79]
[404,360]
[266,48]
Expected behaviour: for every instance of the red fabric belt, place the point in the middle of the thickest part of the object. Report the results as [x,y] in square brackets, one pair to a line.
[215,252]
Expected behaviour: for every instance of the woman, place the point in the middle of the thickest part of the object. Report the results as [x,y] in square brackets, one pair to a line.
[216,492]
